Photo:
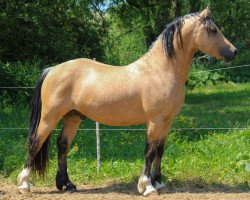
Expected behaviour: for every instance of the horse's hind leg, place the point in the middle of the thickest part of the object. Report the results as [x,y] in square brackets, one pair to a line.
[38,151]
[72,121]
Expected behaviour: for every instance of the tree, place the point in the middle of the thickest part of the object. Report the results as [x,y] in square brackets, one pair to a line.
[154,14]
[49,31]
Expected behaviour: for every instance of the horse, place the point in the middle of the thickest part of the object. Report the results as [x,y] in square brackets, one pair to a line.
[149,90]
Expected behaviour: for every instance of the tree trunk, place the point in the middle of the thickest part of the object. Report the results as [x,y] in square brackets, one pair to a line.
[178,4]
[149,35]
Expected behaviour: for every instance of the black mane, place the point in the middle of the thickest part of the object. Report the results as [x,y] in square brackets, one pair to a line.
[169,33]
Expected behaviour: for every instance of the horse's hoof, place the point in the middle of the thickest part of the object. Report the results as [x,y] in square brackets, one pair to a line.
[59,186]
[142,183]
[24,190]
[70,187]
[150,191]
[72,190]
[24,187]
[159,186]
[141,188]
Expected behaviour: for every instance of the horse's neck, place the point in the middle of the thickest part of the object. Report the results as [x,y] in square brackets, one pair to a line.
[157,59]
[184,53]
[183,58]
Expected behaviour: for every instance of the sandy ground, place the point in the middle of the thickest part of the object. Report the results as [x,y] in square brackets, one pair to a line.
[120,192]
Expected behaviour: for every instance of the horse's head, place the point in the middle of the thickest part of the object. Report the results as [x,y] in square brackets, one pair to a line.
[210,40]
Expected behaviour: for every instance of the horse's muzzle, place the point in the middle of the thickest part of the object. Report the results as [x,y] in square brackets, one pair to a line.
[228,54]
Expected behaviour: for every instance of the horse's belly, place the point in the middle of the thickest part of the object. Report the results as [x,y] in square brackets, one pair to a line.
[118,121]
[113,116]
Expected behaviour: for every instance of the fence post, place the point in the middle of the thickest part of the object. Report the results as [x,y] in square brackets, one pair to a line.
[98,147]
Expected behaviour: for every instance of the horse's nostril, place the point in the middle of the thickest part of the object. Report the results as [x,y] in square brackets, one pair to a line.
[235,52]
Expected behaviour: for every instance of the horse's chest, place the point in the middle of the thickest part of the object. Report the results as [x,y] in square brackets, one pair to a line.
[171,102]
[165,100]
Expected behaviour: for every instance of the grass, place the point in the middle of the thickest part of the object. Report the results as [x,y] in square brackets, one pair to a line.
[203,157]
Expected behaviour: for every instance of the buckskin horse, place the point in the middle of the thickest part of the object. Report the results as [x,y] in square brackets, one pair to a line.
[150,90]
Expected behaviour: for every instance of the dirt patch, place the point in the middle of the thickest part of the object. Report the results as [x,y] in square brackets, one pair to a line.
[119,192]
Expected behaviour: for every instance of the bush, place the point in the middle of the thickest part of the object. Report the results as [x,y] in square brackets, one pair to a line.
[199,76]
[51,32]
[17,75]
[240,75]
[205,63]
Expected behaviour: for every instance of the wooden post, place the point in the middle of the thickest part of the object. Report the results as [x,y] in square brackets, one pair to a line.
[98,147]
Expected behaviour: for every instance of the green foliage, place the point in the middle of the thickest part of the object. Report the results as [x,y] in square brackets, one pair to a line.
[17,75]
[200,74]
[240,75]
[126,46]
[221,106]
[232,17]
[50,32]
[199,79]
[213,158]
[146,20]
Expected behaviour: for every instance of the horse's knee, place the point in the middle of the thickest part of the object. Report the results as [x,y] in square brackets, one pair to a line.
[62,145]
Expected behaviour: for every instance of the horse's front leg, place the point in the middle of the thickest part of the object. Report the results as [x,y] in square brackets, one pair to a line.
[156,172]
[156,176]
[152,150]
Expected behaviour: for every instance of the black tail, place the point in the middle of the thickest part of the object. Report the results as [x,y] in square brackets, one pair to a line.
[37,161]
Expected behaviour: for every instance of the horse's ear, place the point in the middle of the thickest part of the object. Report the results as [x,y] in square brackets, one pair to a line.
[205,13]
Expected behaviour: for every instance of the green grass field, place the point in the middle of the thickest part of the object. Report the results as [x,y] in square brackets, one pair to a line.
[204,158]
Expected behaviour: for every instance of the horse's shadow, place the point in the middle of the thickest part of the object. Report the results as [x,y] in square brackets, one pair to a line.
[190,186]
